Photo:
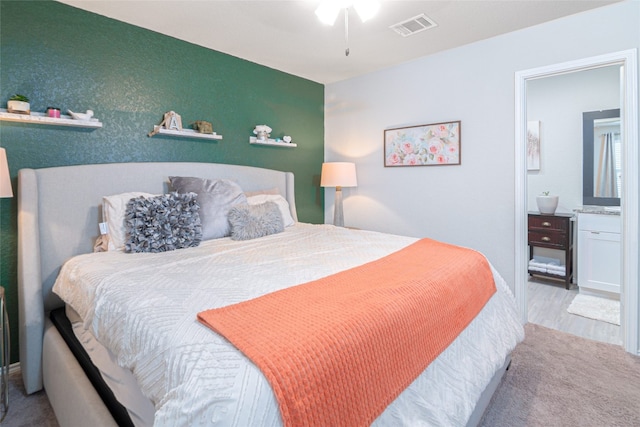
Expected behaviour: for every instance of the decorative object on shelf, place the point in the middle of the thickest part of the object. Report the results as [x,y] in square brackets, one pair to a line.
[338,175]
[53,112]
[19,104]
[170,121]
[547,204]
[435,144]
[262,132]
[533,145]
[203,127]
[287,139]
[81,116]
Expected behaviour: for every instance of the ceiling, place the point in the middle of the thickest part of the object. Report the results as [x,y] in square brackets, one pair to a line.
[287,36]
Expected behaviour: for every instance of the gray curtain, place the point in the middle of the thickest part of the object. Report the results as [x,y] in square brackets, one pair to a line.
[606,185]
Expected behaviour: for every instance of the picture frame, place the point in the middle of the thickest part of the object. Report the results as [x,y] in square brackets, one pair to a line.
[533,145]
[435,144]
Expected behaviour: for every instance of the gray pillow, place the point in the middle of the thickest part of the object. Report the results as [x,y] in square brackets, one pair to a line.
[215,197]
[253,221]
[162,223]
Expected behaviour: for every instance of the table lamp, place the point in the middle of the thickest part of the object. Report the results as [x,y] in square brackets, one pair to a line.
[5,191]
[5,180]
[338,175]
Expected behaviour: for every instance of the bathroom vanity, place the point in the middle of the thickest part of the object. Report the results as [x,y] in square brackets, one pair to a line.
[599,251]
[599,224]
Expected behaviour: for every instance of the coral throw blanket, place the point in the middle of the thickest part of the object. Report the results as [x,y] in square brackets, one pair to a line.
[338,350]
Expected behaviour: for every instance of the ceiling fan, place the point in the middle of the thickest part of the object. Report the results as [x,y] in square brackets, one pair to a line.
[328,11]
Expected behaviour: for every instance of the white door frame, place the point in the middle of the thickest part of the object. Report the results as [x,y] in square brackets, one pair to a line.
[630,294]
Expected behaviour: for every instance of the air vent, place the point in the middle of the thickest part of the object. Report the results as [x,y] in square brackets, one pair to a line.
[414,25]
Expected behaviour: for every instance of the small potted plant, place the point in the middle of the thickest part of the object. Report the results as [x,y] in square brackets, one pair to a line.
[18,104]
[547,204]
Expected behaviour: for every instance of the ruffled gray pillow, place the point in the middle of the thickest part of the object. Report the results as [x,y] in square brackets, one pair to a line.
[162,223]
[215,197]
[253,221]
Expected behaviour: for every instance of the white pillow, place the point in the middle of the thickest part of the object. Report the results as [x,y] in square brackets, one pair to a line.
[113,212]
[282,203]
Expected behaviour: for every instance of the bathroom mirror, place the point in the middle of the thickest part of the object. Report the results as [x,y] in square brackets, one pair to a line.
[602,162]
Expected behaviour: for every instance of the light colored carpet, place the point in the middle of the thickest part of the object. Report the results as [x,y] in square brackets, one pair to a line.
[558,380]
[27,410]
[604,309]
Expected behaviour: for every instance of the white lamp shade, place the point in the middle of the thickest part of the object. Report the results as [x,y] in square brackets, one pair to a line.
[5,179]
[338,174]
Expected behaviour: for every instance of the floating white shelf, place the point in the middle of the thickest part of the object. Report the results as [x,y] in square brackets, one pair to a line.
[42,119]
[184,133]
[254,140]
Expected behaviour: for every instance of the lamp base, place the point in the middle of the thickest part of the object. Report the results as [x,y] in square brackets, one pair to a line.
[338,214]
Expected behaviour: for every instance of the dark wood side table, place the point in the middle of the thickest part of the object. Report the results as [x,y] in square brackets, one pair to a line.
[552,232]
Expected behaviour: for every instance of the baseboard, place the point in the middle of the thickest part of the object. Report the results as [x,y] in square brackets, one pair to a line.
[14,367]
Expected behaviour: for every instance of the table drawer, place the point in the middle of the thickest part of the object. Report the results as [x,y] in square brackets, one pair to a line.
[548,222]
[551,239]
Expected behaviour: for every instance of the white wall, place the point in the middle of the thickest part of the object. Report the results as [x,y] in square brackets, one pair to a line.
[558,103]
[471,204]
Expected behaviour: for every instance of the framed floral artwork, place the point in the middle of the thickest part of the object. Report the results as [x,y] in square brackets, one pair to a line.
[435,144]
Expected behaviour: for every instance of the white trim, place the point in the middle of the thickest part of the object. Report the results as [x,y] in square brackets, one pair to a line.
[14,367]
[629,103]
[630,192]
[521,252]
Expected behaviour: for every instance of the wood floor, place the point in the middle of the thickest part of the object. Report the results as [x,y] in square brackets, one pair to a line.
[548,302]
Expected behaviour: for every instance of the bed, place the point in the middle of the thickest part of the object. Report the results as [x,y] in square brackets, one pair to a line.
[59,212]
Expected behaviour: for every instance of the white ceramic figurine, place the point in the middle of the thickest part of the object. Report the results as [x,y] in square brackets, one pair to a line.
[81,116]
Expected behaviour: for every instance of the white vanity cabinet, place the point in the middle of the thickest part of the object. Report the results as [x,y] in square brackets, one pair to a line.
[599,253]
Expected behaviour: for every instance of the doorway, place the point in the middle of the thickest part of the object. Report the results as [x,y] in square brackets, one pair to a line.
[556,163]
[629,209]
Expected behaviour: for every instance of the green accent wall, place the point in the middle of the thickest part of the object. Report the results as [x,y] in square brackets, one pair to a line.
[64,57]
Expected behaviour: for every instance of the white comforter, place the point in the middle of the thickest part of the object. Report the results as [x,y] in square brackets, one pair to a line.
[143,308]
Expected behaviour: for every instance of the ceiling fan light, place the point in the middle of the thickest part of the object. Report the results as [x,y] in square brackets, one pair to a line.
[366,9]
[328,11]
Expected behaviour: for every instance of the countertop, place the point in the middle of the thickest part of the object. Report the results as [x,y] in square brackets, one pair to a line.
[599,210]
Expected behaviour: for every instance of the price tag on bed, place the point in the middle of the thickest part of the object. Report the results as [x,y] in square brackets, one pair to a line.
[104,228]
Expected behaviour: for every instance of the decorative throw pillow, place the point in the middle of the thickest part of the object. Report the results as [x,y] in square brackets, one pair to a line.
[113,212]
[271,191]
[162,223]
[215,197]
[278,200]
[253,221]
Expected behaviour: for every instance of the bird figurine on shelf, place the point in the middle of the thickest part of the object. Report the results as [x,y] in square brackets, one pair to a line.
[81,116]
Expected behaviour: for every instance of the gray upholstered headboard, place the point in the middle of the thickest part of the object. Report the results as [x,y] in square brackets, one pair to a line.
[58,214]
